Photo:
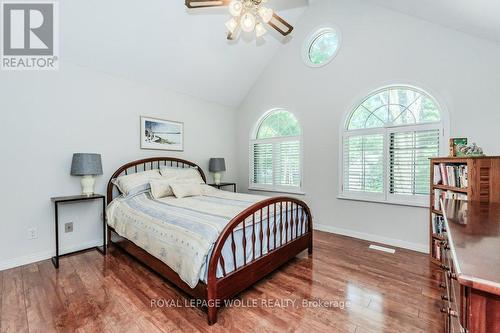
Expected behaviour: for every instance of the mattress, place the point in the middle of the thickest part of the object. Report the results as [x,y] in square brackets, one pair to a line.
[182,232]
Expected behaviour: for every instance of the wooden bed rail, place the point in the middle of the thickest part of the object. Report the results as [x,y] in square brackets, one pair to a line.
[288,218]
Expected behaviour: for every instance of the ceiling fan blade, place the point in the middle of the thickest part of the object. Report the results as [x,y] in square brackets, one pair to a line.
[206,3]
[282,26]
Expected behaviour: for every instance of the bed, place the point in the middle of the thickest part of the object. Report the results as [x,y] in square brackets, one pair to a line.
[213,245]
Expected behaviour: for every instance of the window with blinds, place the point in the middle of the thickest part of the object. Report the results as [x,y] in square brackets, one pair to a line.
[387,142]
[363,163]
[275,161]
[409,161]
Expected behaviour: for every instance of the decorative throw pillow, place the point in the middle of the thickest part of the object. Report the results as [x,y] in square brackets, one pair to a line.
[160,188]
[181,173]
[136,182]
[182,189]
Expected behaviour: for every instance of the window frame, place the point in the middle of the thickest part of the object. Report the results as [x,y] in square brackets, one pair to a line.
[277,140]
[386,197]
[306,47]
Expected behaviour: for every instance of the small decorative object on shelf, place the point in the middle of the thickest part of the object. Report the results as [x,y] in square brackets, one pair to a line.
[464,150]
[88,166]
[454,142]
[217,165]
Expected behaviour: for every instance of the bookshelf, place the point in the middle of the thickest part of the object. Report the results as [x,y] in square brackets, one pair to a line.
[460,178]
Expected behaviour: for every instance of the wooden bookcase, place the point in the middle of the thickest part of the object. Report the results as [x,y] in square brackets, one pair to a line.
[483,176]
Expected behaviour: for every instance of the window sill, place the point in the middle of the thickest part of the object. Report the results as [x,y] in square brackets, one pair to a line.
[392,202]
[297,192]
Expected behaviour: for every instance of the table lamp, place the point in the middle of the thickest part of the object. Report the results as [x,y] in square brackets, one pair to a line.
[217,165]
[87,166]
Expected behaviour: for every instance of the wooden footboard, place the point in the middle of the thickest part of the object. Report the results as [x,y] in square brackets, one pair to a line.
[280,228]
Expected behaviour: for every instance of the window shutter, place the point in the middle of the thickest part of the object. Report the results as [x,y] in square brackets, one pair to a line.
[262,163]
[287,163]
[409,161]
[363,163]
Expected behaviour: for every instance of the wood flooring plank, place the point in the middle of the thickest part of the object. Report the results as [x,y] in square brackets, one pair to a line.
[13,309]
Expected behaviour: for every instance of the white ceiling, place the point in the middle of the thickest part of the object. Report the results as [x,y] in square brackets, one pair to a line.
[476,17]
[160,42]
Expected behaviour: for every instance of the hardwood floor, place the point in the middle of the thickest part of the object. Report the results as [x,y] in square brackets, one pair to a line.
[91,293]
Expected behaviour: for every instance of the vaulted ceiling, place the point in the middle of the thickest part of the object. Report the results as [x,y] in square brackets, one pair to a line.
[475,17]
[160,42]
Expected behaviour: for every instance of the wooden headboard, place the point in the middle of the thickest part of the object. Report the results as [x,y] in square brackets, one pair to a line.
[148,164]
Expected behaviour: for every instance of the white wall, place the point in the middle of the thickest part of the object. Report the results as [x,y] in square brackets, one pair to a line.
[380,47]
[47,116]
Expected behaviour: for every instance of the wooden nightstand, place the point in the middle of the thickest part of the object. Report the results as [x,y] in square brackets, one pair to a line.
[72,199]
[224,185]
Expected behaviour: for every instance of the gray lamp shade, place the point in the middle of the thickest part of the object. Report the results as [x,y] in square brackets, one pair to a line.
[217,165]
[86,165]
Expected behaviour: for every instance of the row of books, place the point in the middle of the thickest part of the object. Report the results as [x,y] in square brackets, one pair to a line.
[442,194]
[451,175]
[437,224]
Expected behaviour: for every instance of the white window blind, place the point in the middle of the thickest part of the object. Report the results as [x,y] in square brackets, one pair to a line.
[276,164]
[409,161]
[288,164]
[363,163]
[262,154]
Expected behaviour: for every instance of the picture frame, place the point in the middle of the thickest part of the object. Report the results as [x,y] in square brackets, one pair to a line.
[161,134]
[453,143]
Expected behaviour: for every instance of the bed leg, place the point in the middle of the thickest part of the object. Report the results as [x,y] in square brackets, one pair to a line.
[212,313]
[310,247]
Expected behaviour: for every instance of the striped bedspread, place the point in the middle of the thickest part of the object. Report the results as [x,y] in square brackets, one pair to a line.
[179,232]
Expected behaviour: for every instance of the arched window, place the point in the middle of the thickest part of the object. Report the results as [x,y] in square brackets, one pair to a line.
[275,148]
[387,142]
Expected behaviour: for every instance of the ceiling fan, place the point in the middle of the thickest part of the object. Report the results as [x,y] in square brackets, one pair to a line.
[247,15]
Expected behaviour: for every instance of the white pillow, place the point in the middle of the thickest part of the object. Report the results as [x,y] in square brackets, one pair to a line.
[182,190]
[136,182]
[181,173]
[160,188]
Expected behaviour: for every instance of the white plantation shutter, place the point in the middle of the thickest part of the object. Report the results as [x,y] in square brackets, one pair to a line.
[363,163]
[276,164]
[262,167]
[288,164]
[409,161]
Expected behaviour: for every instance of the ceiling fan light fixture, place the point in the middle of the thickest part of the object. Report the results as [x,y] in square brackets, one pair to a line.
[260,30]
[235,7]
[266,14]
[231,25]
[247,22]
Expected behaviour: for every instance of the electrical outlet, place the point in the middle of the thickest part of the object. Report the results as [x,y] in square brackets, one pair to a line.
[68,227]
[32,233]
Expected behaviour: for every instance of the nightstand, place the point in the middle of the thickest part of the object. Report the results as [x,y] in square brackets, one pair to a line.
[73,199]
[224,185]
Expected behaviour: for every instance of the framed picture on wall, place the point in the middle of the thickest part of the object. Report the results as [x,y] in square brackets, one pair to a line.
[161,134]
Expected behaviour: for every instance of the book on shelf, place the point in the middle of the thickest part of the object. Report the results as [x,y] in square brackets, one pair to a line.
[451,175]
[437,224]
[446,194]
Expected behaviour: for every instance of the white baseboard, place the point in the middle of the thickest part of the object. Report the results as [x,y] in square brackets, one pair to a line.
[35,257]
[423,248]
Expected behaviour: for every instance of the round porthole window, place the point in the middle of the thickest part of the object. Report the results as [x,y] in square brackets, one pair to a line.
[321,47]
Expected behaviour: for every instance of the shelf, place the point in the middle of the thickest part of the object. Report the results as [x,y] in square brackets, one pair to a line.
[450,188]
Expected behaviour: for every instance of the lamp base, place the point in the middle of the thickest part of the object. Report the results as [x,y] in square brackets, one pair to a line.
[88,183]
[217,177]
